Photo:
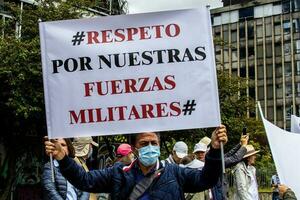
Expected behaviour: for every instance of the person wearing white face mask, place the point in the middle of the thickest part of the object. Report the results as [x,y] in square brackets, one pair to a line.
[145,178]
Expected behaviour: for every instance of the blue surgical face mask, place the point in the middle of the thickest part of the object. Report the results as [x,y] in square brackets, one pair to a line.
[148,155]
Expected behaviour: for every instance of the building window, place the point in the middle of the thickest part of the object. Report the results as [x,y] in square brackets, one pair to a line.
[298,89]
[251,72]
[268,28]
[246,13]
[250,51]
[270,113]
[270,91]
[259,31]
[242,31]
[225,36]
[260,72]
[296,25]
[234,54]
[242,52]
[278,71]
[287,69]
[288,90]
[288,110]
[297,71]
[250,31]
[286,26]
[287,49]
[277,49]
[269,50]
[261,95]
[279,111]
[269,71]
[278,91]
[286,6]
[297,46]
[233,35]
[277,28]
[243,72]
[260,53]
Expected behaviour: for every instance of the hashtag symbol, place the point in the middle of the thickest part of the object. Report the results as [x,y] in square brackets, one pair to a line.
[189,107]
[78,38]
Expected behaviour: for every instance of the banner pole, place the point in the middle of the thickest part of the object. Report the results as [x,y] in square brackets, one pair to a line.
[52,169]
[222,158]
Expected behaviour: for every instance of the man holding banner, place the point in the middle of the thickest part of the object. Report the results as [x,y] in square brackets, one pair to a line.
[145,178]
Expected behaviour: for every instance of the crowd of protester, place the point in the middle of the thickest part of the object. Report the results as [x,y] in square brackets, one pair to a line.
[138,171]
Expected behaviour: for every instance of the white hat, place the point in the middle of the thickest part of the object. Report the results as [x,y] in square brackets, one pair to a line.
[181,149]
[82,145]
[250,151]
[200,147]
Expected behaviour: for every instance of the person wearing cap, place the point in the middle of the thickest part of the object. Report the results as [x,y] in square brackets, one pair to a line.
[244,172]
[146,177]
[200,151]
[180,150]
[124,154]
[83,150]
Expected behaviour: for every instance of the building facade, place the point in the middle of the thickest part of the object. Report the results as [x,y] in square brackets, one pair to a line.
[260,40]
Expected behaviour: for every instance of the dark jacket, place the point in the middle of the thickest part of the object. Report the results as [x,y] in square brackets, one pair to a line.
[57,190]
[172,183]
[234,156]
[289,195]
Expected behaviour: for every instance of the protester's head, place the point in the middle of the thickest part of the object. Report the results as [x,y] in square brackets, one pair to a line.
[180,150]
[250,156]
[124,153]
[187,159]
[84,146]
[200,151]
[147,145]
[67,146]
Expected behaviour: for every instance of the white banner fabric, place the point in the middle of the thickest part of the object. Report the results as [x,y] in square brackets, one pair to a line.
[129,74]
[285,150]
[295,124]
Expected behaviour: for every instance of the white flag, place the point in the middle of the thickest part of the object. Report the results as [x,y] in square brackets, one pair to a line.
[285,150]
[295,124]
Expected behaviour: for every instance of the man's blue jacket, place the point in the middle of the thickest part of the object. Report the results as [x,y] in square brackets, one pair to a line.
[119,181]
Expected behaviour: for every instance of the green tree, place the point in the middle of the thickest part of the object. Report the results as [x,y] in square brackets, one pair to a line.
[22,110]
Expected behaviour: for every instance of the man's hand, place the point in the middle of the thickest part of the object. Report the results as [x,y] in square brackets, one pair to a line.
[53,147]
[219,135]
[244,140]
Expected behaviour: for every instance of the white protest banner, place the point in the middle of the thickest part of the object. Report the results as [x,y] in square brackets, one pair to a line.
[129,74]
[295,124]
[285,150]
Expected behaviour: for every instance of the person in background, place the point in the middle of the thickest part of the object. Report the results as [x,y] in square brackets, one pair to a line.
[231,158]
[83,150]
[244,172]
[60,189]
[200,151]
[124,154]
[146,178]
[180,150]
[274,184]
[286,193]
